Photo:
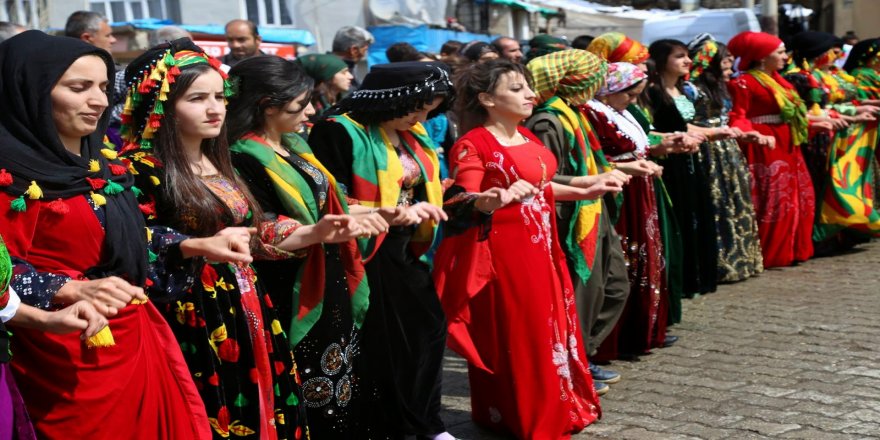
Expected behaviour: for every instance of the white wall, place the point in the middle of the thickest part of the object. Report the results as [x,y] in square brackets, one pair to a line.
[57,11]
[210,11]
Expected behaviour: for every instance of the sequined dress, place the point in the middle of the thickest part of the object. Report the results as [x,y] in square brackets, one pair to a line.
[739,249]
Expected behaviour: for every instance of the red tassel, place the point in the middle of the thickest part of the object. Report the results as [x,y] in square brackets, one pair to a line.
[128,147]
[96,183]
[147,208]
[117,170]
[59,207]
[5,178]
[155,123]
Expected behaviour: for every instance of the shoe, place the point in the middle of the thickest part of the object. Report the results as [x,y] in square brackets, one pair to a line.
[601,388]
[669,341]
[603,375]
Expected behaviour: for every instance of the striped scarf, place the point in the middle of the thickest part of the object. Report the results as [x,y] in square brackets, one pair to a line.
[791,107]
[574,75]
[582,233]
[300,204]
[868,81]
[378,175]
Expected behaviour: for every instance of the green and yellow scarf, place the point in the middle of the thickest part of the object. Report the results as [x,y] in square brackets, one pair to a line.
[868,81]
[378,175]
[791,108]
[586,159]
[296,195]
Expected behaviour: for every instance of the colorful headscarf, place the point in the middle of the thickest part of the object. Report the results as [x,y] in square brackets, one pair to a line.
[321,66]
[620,77]
[703,49]
[149,79]
[750,46]
[543,44]
[615,47]
[573,75]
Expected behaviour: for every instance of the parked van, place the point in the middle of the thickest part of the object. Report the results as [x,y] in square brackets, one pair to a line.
[723,24]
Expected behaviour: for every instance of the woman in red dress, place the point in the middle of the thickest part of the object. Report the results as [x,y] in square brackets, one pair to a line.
[782,190]
[74,232]
[500,271]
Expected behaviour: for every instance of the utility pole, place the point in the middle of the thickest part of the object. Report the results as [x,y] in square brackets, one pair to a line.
[769,16]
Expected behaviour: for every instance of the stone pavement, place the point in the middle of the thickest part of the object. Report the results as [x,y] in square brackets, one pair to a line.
[793,354]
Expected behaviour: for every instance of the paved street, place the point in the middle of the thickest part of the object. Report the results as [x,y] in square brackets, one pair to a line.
[790,354]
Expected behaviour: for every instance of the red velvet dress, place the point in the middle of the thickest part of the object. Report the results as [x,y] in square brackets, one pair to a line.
[781,187]
[509,301]
[642,326]
[138,389]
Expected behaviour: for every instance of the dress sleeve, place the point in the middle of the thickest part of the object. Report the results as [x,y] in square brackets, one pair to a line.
[170,273]
[467,170]
[12,303]
[741,100]
[333,148]
[37,288]
[272,233]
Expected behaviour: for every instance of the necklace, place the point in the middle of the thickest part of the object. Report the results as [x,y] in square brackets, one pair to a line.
[510,140]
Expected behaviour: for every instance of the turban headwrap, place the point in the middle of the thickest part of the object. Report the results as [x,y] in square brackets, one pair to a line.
[703,49]
[574,75]
[808,45]
[751,46]
[543,44]
[615,47]
[620,77]
[321,66]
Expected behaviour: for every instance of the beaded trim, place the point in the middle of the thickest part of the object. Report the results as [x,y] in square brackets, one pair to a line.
[409,89]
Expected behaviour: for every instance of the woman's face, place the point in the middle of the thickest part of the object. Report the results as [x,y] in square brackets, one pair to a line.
[79,98]
[620,101]
[776,60]
[512,98]
[289,117]
[726,68]
[679,62]
[201,109]
[406,122]
[341,82]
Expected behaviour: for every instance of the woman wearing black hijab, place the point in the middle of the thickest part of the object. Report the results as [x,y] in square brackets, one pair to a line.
[74,231]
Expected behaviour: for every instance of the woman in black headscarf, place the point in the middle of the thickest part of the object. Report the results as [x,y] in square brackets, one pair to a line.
[74,231]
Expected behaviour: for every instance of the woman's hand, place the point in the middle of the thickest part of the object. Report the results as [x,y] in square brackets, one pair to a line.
[491,199]
[603,187]
[427,211]
[869,109]
[413,214]
[372,223]
[107,295]
[638,167]
[336,229]
[79,316]
[230,245]
[722,133]
[822,125]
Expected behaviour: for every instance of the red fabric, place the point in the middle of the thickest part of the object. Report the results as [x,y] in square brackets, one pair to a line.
[642,325]
[752,46]
[516,326]
[781,187]
[138,389]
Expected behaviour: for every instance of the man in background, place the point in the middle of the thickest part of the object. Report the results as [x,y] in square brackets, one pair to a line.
[508,48]
[244,41]
[351,44]
[91,27]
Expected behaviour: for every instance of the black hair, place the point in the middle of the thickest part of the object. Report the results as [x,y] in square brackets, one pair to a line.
[402,52]
[480,78]
[582,41]
[659,52]
[711,81]
[261,83]
[451,47]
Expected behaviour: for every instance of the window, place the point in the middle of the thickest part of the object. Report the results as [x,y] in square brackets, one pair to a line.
[127,10]
[23,12]
[268,12]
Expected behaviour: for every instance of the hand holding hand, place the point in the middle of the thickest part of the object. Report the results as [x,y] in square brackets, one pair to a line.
[79,316]
[107,295]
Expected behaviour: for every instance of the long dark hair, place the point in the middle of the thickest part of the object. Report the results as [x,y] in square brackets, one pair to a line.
[711,81]
[262,83]
[480,78]
[660,51]
[193,201]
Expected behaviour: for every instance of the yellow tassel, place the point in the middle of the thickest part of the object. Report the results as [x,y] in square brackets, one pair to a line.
[816,110]
[165,89]
[94,166]
[104,338]
[156,75]
[139,301]
[108,153]
[155,180]
[149,235]
[276,327]
[163,95]
[126,110]
[99,199]
[34,192]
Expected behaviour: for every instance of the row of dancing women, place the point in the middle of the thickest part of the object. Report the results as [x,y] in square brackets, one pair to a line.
[219,273]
